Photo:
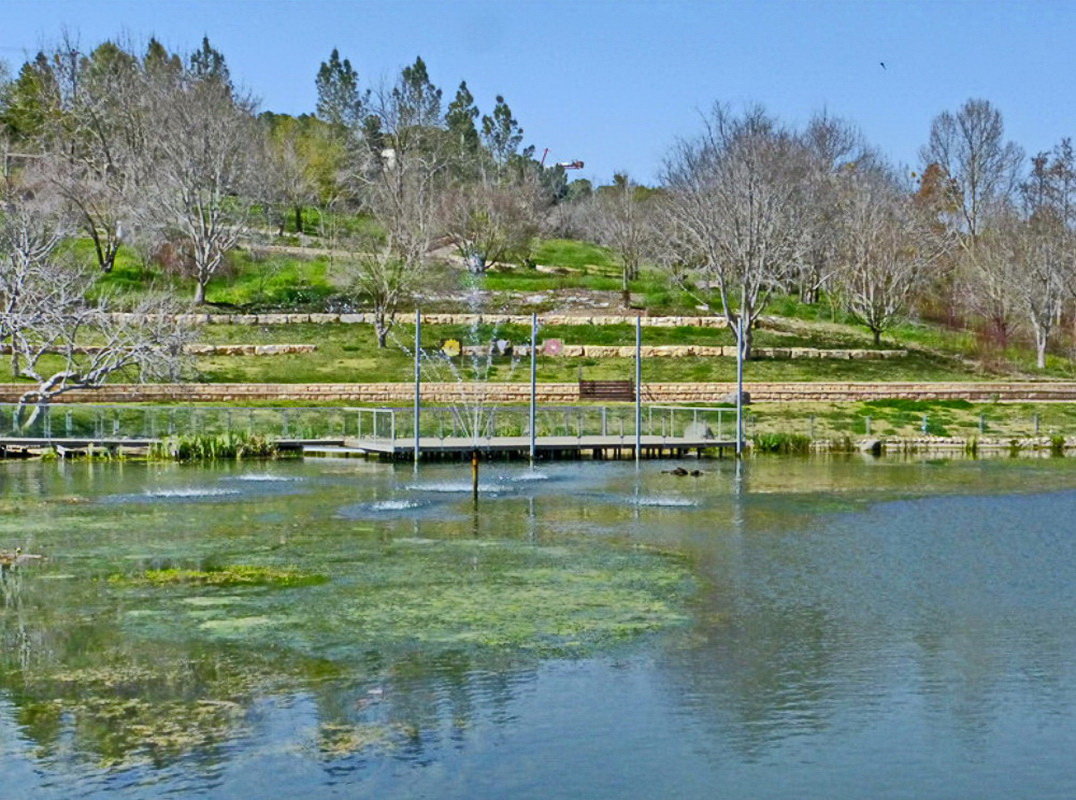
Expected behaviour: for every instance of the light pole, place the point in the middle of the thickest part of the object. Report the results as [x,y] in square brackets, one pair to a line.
[418,384]
[739,386]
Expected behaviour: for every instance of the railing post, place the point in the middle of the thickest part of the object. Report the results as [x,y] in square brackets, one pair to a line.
[638,388]
[533,410]
[418,384]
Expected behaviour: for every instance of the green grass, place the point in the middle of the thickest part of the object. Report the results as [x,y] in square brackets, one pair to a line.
[573,254]
[905,418]
[346,354]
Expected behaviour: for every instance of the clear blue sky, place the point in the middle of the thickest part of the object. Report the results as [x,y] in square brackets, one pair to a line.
[614,82]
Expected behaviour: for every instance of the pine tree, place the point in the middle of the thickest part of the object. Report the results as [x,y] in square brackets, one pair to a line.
[207,63]
[501,133]
[339,100]
[460,118]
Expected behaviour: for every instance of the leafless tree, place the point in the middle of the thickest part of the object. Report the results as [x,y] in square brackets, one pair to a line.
[396,176]
[734,216]
[834,147]
[57,339]
[887,248]
[206,164]
[291,179]
[621,217]
[1040,252]
[91,137]
[490,221]
[986,280]
[970,147]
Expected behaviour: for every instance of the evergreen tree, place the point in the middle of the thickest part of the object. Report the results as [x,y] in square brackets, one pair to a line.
[460,118]
[207,63]
[416,99]
[339,100]
[31,100]
[501,133]
[158,62]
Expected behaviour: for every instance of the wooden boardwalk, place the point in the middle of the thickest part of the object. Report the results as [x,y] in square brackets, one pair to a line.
[434,448]
[64,445]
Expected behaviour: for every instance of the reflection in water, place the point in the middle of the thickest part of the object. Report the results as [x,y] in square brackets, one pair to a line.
[855,628]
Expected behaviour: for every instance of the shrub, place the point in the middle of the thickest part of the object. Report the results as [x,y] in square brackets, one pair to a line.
[214,447]
[780,443]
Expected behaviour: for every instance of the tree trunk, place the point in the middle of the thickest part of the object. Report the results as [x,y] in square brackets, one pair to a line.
[299,220]
[199,294]
[1040,350]
[476,263]
[877,337]
[381,328]
[748,338]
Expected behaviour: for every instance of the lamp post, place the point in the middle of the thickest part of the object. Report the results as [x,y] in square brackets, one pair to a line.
[739,386]
[418,385]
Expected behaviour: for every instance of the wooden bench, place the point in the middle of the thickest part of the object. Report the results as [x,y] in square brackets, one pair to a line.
[607,390]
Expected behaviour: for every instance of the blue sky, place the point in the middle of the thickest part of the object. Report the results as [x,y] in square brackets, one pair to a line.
[614,82]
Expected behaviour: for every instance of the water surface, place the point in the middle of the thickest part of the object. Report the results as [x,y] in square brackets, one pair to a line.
[810,628]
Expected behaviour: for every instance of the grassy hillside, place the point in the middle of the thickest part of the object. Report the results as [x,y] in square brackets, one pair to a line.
[566,274]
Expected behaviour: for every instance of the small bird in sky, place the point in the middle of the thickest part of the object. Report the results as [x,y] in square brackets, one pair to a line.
[882,63]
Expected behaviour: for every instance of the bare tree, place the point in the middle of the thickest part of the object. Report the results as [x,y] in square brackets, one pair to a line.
[833,147]
[887,249]
[56,338]
[490,221]
[621,218]
[396,177]
[1040,252]
[970,147]
[735,211]
[205,166]
[986,280]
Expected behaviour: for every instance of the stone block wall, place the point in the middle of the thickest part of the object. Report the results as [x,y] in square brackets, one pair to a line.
[549,393]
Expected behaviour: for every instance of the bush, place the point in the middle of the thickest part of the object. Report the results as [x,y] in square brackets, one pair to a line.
[783,443]
[214,447]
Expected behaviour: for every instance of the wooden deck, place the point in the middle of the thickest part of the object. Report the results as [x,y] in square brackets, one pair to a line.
[14,446]
[547,447]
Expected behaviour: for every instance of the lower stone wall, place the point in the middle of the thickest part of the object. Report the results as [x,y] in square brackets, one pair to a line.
[396,393]
[683,351]
[443,319]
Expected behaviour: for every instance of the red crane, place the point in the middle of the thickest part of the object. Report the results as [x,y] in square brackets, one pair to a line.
[577,164]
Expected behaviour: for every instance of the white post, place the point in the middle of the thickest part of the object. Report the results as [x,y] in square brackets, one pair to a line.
[638,388]
[739,386]
[534,390]
[418,384]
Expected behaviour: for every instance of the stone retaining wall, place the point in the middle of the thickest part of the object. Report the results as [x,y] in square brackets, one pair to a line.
[441,319]
[206,349]
[395,393]
[248,349]
[681,351]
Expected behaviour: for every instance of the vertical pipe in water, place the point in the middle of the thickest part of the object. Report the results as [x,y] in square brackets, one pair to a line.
[534,390]
[739,386]
[474,476]
[418,385]
[638,388]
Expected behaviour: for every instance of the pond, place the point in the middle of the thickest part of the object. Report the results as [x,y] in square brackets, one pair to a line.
[796,627]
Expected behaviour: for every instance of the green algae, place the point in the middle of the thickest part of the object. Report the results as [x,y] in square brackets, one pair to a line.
[235,575]
[338,740]
[446,594]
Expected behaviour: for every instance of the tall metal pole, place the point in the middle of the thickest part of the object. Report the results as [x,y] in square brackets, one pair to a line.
[418,385]
[534,390]
[739,387]
[638,388]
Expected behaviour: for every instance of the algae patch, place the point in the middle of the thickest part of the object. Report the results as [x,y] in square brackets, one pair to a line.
[235,575]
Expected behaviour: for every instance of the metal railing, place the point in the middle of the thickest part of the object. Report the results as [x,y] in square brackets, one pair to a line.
[478,423]
[118,422]
[483,423]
